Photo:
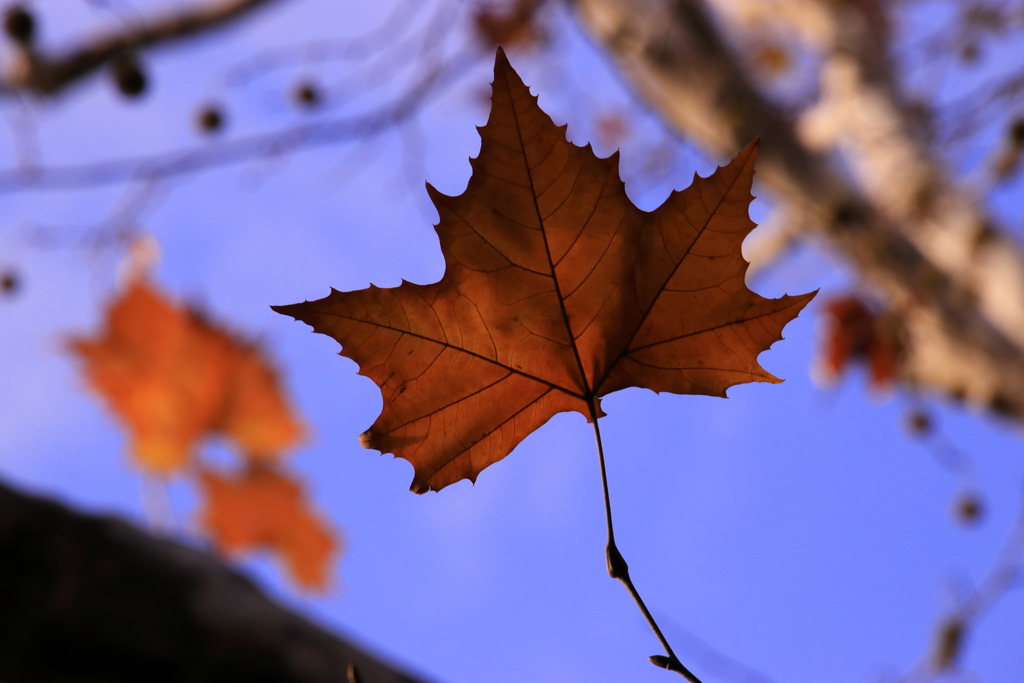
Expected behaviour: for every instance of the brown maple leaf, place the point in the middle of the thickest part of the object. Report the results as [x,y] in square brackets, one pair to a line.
[557,291]
[172,378]
[263,509]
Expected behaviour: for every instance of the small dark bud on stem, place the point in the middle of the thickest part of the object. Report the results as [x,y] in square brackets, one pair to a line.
[20,25]
[617,567]
[669,663]
[660,661]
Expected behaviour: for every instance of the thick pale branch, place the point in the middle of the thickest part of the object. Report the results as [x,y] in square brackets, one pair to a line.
[88,598]
[45,75]
[771,241]
[672,54]
[864,116]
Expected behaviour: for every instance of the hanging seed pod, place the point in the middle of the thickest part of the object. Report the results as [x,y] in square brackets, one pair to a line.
[20,25]
[308,95]
[660,661]
[9,283]
[210,119]
[919,422]
[968,509]
[128,75]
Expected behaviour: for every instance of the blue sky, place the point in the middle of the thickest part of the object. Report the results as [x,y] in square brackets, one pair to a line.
[801,532]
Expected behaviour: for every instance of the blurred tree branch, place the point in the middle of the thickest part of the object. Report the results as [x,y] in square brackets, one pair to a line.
[49,75]
[952,632]
[955,279]
[86,598]
[241,149]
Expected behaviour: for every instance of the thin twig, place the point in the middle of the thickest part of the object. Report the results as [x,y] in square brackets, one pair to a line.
[618,569]
[242,149]
[1004,576]
[49,75]
[360,47]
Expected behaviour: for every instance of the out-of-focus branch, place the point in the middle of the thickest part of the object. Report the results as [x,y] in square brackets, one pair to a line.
[48,75]
[673,55]
[380,39]
[242,149]
[88,598]
[862,114]
[1006,574]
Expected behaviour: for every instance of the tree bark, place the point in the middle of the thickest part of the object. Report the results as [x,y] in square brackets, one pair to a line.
[91,598]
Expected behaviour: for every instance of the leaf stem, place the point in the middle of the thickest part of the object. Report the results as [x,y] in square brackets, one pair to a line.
[618,569]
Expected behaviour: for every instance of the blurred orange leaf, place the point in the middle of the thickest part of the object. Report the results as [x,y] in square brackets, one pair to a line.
[172,378]
[557,291]
[855,333]
[263,509]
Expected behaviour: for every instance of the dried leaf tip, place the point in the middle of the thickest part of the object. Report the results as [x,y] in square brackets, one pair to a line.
[501,59]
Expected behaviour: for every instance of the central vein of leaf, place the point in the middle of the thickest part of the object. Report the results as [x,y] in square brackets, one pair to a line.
[588,394]
[448,345]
